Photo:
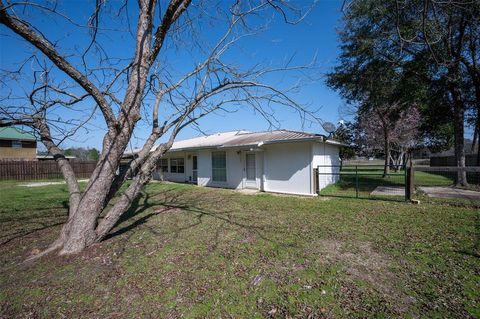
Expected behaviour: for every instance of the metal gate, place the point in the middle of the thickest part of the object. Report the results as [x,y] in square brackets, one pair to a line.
[362,181]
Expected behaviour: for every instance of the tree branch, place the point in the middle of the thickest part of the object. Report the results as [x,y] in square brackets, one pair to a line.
[22,29]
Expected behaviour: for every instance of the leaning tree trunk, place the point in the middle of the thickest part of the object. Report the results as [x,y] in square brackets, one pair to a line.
[83,228]
[80,231]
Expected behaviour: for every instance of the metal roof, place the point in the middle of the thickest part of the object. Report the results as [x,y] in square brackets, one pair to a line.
[246,139]
[243,139]
[214,140]
[13,133]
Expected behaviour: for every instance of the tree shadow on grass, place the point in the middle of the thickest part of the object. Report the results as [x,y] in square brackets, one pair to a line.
[143,202]
[173,201]
[28,224]
[369,183]
[474,251]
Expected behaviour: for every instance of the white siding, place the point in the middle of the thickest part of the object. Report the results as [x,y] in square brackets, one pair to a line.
[204,165]
[260,174]
[287,168]
[325,154]
[234,169]
[282,168]
[189,167]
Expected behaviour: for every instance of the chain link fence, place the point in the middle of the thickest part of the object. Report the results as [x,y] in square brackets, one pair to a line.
[451,185]
[447,184]
[362,181]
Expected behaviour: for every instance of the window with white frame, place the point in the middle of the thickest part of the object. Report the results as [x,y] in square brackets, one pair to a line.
[177,165]
[163,165]
[219,166]
[16,144]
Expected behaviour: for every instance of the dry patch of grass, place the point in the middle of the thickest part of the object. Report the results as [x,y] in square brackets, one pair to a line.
[362,262]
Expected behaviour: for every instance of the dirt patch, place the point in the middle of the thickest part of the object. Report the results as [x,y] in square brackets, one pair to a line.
[365,263]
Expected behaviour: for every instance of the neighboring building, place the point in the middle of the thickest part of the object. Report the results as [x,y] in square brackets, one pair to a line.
[276,161]
[17,144]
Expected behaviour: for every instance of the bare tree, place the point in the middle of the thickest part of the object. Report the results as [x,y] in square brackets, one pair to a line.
[126,91]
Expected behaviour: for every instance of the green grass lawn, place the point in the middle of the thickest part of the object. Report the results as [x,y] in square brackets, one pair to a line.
[192,252]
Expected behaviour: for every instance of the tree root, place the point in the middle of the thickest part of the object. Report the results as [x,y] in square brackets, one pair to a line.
[54,246]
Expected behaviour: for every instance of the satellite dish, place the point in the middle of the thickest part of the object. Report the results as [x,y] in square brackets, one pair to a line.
[329,127]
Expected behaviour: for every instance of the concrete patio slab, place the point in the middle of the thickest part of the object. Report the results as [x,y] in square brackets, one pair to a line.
[389,191]
[450,192]
[39,184]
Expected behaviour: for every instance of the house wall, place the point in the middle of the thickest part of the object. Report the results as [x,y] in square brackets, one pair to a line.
[282,168]
[174,177]
[326,154]
[287,168]
[189,166]
[28,150]
[235,165]
[260,175]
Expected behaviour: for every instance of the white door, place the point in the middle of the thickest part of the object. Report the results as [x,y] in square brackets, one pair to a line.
[250,171]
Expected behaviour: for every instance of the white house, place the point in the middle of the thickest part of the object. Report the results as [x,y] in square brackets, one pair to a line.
[274,161]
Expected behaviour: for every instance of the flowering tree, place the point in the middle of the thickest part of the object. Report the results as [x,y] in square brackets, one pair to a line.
[406,135]
[390,129]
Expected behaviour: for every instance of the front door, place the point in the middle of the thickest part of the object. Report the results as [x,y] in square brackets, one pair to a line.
[250,171]
[194,169]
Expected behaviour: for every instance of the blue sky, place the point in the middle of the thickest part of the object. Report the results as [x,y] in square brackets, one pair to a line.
[315,36]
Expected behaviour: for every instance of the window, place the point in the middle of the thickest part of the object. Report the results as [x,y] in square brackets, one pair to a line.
[16,144]
[163,165]
[177,165]
[219,167]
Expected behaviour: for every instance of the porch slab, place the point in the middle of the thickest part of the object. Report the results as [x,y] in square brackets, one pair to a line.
[248,191]
[389,191]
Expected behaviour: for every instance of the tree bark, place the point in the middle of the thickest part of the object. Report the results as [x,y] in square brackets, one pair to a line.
[79,232]
[398,160]
[476,139]
[459,140]
[386,167]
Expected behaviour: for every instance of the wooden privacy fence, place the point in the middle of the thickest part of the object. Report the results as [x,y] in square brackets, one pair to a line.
[470,160]
[34,170]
